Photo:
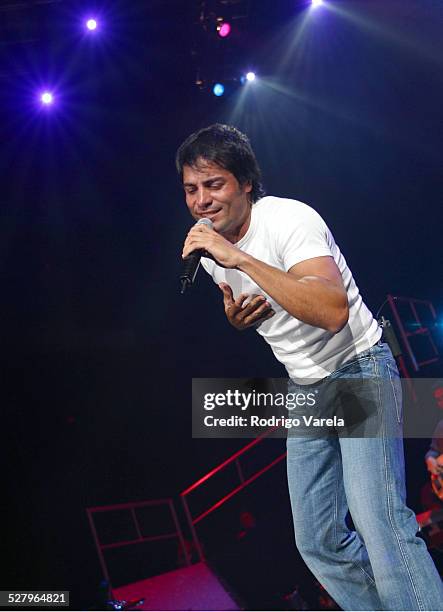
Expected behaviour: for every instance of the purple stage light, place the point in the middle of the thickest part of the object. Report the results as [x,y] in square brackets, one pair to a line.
[224,29]
[316,3]
[46,98]
[250,76]
[91,24]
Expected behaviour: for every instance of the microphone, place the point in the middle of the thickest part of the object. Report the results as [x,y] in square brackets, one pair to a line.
[191,263]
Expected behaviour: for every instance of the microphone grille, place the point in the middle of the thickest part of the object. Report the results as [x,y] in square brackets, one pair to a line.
[205,221]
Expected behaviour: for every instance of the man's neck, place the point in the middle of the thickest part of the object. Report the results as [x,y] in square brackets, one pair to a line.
[240,231]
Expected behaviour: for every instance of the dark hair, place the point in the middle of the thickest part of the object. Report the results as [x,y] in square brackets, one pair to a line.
[228,148]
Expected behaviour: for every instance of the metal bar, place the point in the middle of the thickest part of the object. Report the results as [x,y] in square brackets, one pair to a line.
[410,299]
[402,367]
[239,470]
[166,536]
[192,528]
[227,462]
[431,340]
[418,332]
[414,312]
[238,489]
[428,361]
[402,330]
[99,549]
[128,506]
[179,532]
[137,526]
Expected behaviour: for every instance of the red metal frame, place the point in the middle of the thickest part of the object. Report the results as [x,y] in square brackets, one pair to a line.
[132,506]
[193,521]
[419,330]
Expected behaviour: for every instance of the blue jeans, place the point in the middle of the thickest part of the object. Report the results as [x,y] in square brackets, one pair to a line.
[382,564]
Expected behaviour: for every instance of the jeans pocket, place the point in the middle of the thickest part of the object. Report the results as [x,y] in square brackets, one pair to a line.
[394,378]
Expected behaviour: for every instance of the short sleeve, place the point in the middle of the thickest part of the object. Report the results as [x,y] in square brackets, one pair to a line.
[302,235]
[208,265]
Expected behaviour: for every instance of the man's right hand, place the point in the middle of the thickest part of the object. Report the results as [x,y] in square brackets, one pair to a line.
[241,315]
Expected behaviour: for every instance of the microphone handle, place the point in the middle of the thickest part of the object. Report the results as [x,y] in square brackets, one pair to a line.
[191,264]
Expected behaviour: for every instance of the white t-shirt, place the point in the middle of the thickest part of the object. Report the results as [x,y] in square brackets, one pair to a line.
[283,233]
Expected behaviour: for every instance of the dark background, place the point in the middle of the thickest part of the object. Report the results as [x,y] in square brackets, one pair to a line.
[98,347]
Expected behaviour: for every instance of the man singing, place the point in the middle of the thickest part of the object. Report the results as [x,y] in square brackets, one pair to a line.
[281,272]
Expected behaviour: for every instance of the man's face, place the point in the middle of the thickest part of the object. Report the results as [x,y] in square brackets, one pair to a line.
[215,193]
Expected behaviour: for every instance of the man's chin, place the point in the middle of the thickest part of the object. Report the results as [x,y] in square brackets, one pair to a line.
[220,228]
[218,225]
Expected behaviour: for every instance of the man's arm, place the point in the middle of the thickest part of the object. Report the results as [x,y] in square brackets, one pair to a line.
[311,291]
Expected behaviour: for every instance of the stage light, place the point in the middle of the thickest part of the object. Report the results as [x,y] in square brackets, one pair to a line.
[46,98]
[248,77]
[316,3]
[218,90]
[91,24]
[224,29]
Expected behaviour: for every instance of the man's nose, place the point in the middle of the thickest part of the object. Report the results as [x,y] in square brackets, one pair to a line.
[203,197]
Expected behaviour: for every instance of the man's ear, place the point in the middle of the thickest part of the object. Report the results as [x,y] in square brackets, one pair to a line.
[247,186]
